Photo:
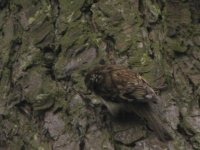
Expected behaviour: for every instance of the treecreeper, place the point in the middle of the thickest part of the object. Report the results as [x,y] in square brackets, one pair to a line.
[123,90]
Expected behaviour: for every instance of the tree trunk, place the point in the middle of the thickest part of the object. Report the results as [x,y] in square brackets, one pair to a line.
[48,46]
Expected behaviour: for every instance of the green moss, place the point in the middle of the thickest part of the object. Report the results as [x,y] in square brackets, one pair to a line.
[145,60]
[31,20]
[176,45]
[4,82]
[43,101]
[196,142]
[153,8]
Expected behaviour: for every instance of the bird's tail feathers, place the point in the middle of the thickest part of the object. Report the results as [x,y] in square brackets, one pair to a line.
[154,122]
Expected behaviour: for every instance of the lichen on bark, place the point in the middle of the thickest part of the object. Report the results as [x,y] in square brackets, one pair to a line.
[47,47]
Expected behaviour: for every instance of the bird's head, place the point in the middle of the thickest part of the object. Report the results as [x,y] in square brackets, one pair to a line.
[93,79]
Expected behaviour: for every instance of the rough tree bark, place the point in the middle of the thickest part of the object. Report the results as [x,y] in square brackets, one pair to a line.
[47,46]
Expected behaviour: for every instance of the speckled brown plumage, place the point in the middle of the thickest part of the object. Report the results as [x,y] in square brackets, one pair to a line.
[116,83]
[124,90]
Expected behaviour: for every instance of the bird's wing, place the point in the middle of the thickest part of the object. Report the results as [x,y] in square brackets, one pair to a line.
[131,87]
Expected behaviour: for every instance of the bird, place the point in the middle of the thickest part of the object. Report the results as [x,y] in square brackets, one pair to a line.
[124,90]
